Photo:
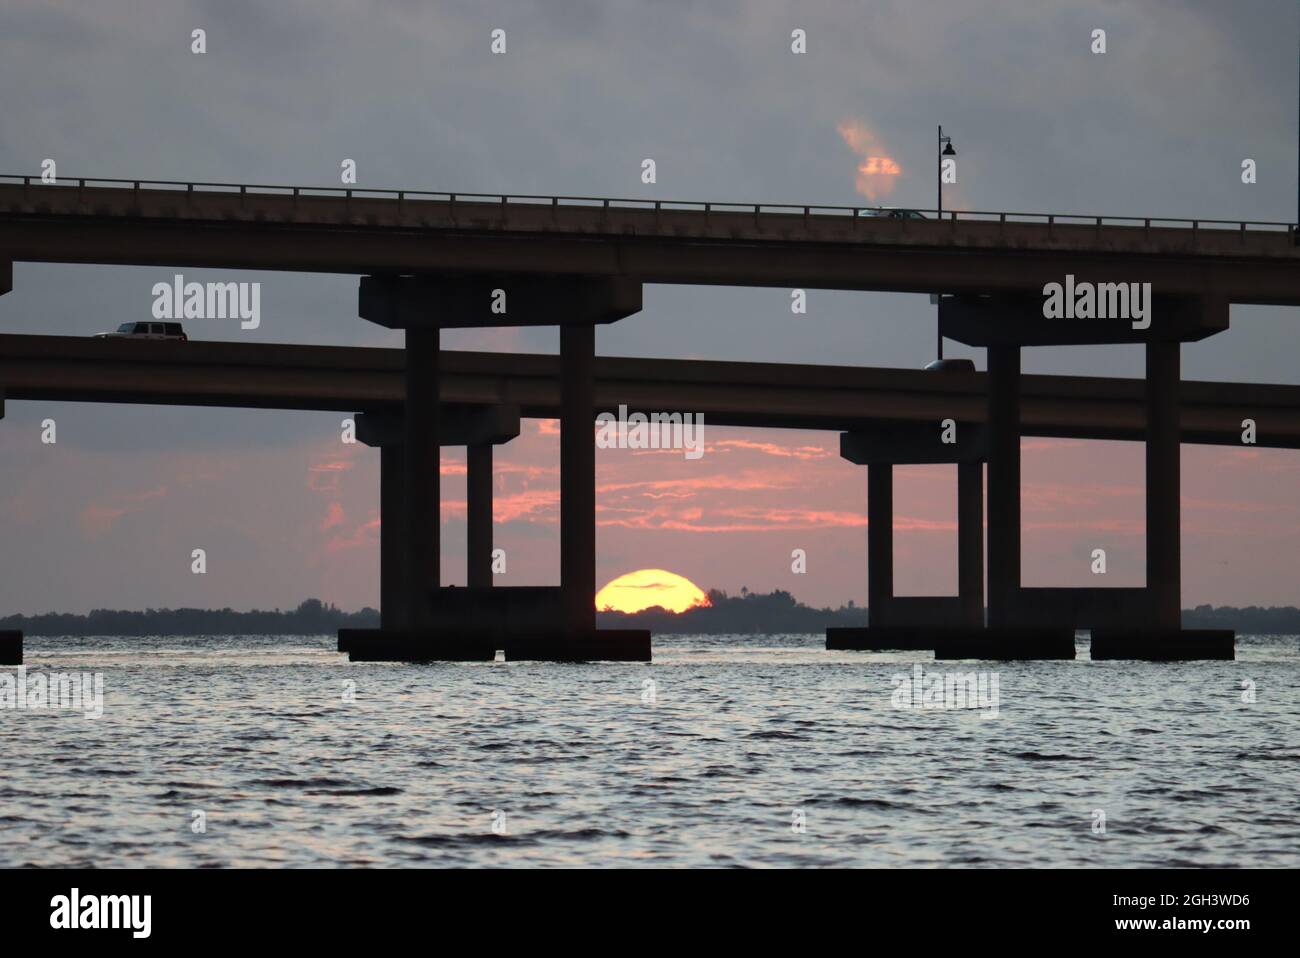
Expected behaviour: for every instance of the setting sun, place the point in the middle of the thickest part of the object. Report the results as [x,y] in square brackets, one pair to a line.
[647,588]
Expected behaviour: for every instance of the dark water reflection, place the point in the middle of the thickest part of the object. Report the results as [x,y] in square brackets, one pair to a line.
[706,757]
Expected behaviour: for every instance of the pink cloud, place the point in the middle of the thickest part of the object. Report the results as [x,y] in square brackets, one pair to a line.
[333,516]
[156,493]
[771,449]
[532,505]
[362,536]
[749,481]
[323,476]
[98,520]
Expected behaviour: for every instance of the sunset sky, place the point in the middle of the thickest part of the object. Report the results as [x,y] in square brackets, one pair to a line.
[1158,125]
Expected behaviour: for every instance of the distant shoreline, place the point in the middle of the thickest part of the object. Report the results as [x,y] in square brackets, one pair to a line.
[748,613]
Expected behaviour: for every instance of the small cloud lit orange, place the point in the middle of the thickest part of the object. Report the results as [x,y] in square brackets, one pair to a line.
[877,170]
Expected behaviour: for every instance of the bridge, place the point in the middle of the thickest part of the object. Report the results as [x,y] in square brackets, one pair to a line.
[333,230]
[429,261]
[774,395]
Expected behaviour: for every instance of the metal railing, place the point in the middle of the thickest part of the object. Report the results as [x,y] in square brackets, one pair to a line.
[504,200]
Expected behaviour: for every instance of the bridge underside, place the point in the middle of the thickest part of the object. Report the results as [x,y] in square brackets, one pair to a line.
[473,394]
[431,256]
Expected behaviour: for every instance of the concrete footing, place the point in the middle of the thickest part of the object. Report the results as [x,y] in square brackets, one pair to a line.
[11,647]
[597,645]
[481,645]
[1004,643]
[880,638]
[1163,645]
[415,645]
[950,642]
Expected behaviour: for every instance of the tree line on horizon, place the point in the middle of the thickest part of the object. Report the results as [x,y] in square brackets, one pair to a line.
[311,617]
[745,614]
[780,612]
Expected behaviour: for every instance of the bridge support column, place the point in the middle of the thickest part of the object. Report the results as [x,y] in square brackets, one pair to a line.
[478,519]
[387,431]
[880,542]
[1163,485]
[1162,637]
[1005,636]
[970,541]
[1004,482]
[578,477]
[393,601]
[421,486]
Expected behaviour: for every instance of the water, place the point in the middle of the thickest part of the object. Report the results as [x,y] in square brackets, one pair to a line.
[744,735]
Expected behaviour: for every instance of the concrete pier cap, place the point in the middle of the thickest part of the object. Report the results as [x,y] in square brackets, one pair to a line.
[1018,320]
[459,424]
[466,300]
[914,444]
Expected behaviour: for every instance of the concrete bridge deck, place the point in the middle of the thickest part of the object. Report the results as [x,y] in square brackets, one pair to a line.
[350,379]
[355,230]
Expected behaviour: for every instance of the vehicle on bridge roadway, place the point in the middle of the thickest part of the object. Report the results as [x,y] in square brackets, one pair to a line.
[950,366]
[893,213]
[146,331]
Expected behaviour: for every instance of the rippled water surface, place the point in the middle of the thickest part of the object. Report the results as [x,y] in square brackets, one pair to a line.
[710,756]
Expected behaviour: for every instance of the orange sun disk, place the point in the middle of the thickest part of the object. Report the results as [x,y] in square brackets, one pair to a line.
[647,588]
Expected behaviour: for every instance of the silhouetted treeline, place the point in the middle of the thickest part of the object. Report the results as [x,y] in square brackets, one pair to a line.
[748,613]
[1252,620]
[312,617]
[779,612]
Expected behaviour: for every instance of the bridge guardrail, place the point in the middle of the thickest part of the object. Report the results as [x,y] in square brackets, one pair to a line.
[1292,230]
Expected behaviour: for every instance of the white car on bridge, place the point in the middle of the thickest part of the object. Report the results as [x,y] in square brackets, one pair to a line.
[146,331]
[892,213]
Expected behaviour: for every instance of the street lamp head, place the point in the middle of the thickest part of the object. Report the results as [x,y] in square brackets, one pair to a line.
[948,150]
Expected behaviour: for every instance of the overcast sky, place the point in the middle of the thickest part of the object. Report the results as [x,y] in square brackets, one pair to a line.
[1157,125]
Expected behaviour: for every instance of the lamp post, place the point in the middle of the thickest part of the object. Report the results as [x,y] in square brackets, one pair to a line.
[943,149]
